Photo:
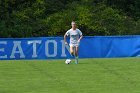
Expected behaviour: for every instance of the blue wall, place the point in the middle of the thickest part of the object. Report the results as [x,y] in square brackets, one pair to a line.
[54,48]
[111,46]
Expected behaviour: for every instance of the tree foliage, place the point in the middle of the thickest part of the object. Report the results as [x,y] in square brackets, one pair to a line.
[34,18]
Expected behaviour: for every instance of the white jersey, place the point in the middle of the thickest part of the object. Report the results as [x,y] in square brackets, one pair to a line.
[74,36]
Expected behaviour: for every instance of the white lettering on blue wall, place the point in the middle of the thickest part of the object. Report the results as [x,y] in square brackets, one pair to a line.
[17,45]
[34,43]
[3,49]
[54,48]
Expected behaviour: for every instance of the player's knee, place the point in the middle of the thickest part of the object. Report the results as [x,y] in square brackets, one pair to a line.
[71,52]
[76,51]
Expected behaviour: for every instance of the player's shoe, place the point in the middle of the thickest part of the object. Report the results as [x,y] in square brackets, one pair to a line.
[76,62]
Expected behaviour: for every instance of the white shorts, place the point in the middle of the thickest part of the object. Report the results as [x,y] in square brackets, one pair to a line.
[74,45]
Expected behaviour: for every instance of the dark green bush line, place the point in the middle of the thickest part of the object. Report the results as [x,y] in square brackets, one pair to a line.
[35,18]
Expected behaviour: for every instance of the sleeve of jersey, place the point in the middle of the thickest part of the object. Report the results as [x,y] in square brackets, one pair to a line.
[68,33]
[80,33]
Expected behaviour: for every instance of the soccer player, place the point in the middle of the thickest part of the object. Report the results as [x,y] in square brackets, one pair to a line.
[75,38]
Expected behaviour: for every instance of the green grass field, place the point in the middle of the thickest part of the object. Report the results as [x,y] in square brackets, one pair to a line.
[118,75]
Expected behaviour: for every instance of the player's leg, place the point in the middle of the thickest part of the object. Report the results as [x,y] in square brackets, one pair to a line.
[71,50]
[76,54]
[76,51]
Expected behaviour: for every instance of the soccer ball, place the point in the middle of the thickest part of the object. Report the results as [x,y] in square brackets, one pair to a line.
[68,61]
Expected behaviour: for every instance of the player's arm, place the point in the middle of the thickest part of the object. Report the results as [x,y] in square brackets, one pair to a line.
[65,40]
[65,37]
[81,36]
